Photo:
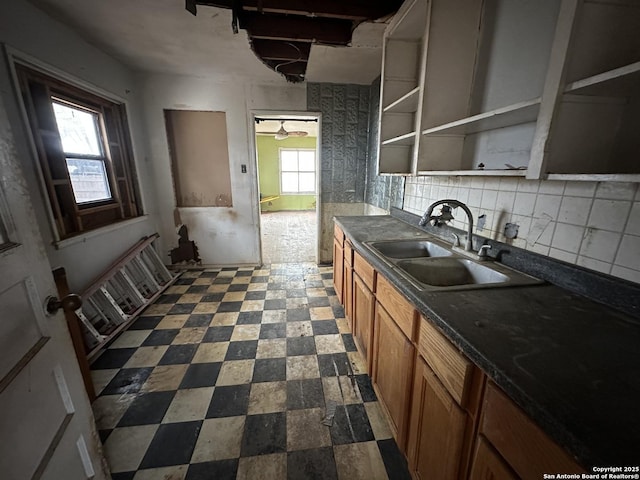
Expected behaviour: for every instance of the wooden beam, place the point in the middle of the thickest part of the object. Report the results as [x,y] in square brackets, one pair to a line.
[301,29]
[279,50]
[358,10]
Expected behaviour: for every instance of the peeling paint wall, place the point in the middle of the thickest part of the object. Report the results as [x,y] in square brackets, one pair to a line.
[225,236]
[28,30]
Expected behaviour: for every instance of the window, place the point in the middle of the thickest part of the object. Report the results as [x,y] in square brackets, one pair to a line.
[84,151]
[80,135]
[297,171]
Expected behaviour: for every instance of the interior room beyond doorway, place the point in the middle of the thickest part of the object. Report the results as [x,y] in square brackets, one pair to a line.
[286,150]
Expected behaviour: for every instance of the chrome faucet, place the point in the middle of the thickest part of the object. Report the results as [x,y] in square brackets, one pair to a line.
[427,217]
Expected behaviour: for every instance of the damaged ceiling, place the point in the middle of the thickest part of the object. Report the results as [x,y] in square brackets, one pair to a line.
[303,40]
[281,32]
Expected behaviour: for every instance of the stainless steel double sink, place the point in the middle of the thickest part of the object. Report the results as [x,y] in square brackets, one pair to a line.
[429,265]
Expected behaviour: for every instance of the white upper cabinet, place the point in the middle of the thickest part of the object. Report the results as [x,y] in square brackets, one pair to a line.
[542,88]
[401,87]
[590,114]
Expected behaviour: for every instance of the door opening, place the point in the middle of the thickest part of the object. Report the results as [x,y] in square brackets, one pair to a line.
[288,183]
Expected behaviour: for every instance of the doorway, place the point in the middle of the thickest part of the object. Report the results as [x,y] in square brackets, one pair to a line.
[288,183]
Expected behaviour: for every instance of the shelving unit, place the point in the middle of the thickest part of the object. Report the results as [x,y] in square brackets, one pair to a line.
[550,86]
[482,95]
[590,111]
[401,88]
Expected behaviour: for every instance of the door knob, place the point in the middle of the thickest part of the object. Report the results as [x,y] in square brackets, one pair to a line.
[69,303]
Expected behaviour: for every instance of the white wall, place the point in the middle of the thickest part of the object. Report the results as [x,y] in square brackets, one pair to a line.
[592,224]
[224,236]
[29,30]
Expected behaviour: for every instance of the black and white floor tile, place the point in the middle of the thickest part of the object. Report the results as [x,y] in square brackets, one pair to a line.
[229,374]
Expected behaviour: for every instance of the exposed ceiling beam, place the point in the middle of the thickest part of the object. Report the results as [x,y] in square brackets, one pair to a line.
[278,50]
[302,29]
[358,10]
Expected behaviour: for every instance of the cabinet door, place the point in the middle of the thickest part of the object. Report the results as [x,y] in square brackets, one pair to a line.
[438,426]
[363,305]
[392,371]
[348,293]
[338,268]
[488,464]
[523,445]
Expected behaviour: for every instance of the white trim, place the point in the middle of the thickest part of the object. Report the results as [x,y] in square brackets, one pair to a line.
[13,57]
[253,155]
[16,56]
[83,237]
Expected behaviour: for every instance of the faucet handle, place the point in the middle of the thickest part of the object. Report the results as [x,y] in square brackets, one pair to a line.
[456,239]
[482,252]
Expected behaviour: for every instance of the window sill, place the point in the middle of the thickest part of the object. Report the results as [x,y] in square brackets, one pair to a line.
[83,237]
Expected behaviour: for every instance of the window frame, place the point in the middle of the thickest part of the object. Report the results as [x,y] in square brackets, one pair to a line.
[315,170]
[104,155]
[38,91]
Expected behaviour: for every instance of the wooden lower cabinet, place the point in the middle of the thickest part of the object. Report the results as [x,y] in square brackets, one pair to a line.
[392,372]
[363,309]
[347,288]
[448,420]
[519,441]
[347,294]
[438,429]
[338,268]
[488,464]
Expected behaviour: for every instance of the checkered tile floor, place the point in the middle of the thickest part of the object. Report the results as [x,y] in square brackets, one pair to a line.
[228,375]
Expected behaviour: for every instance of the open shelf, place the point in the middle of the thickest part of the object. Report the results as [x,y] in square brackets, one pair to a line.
[620,81]
[522,112]
[401,87]
[406,139]
[397,159]
[596,177]
[408,103]
[477,173]
[557,85]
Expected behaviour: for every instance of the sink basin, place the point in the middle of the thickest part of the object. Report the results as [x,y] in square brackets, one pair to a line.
[410,249]
[448,272]
[430,266]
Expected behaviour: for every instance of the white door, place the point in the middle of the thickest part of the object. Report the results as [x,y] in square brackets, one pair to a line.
[47,429]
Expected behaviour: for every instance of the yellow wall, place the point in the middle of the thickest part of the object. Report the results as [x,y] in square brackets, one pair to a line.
[269,173]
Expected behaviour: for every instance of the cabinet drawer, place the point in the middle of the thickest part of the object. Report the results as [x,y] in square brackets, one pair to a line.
[453,368]
[348,253]
[398,307]
[526,448]
[338,234]
[364,271]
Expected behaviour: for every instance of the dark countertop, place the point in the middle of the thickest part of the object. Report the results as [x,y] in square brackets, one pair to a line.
[571,363]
